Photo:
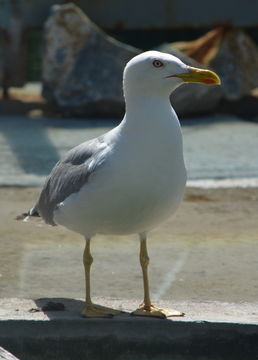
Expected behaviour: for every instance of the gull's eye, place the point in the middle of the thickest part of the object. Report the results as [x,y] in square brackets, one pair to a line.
[157,63]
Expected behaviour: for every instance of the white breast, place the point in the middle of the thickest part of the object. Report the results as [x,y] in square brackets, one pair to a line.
[140,184]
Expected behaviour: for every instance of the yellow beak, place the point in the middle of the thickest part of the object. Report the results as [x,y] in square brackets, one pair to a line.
[199,76]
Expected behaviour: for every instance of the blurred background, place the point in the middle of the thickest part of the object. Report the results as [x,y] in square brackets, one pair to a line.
[35,45]
[142,24]
[61,68]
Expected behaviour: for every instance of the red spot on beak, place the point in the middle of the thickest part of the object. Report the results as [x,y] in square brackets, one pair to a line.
[209,81]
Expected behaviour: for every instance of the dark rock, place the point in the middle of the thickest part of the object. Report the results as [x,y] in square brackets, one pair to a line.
[82,66]
[236,61]
[196,99]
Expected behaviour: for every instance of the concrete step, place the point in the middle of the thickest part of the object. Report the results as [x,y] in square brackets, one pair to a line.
[210,330]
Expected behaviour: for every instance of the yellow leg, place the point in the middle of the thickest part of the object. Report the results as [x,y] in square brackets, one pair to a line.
[87,261]
[90,309]
[144,261]
[146,308]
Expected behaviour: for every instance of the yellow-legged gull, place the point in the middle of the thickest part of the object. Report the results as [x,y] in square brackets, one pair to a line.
[132,178]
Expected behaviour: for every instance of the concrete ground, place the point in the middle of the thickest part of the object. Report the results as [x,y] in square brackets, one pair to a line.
[215,147]
[207,252]
[195,311]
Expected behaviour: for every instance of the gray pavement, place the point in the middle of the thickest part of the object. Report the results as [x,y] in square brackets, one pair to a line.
[216,147]
[195,311]
[207,252]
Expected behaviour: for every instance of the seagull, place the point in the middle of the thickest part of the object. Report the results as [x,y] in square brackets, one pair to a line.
[132,178]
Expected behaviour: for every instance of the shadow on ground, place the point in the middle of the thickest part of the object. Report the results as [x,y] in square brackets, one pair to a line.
[52,307]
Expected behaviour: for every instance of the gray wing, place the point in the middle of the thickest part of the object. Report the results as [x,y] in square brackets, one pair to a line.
[69,175]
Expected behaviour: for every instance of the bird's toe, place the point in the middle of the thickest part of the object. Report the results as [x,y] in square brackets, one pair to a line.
[154,311]
[98,311]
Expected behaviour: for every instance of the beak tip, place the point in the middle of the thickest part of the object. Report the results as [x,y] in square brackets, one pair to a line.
[212,81]
[207,77]
[195,75]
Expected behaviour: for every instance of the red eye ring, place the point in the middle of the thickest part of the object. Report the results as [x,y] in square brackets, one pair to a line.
[157,63]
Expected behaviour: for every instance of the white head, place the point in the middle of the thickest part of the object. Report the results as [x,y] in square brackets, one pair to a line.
[156,73]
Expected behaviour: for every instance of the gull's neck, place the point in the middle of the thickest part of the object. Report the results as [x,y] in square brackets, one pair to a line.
[149,110]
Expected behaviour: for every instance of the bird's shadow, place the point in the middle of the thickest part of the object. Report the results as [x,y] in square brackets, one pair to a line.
[71,309]
[56,308]
[65,308]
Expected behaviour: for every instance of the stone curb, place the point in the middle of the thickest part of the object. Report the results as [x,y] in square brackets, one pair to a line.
[56,335]
[128,339]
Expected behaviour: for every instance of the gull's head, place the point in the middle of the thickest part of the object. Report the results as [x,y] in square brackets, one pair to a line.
[157,73]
